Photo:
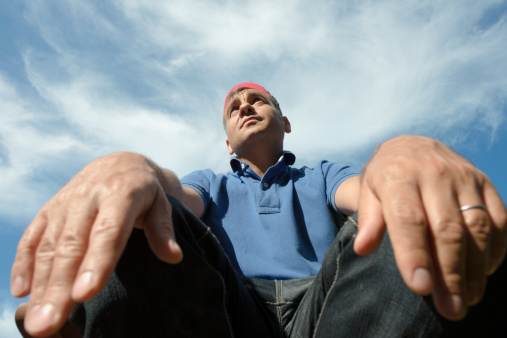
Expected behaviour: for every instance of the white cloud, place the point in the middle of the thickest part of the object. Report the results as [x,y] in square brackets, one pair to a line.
[113,125]
[151,76]
[26,149]
[414,66]
[229,30]
[395,70]
[8,326]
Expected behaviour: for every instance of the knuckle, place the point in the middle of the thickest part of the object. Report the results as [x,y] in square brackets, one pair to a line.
[448,232]
[502,220]
[466,173]
[454,281]
[70,246]
[44,210]
[74,193]
[61,198]
[437,169]
[82,190]
[128,185]
[453,278]
[25,253]
[46,250]
[394,174]
[477,222]
[105,228]
[54,291]
[409,216]
[26,246]
[119,185]
[396,169]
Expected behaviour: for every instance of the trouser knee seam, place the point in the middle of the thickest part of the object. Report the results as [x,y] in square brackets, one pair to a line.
[208,231]
[327,294]
[352,220]
[278,285]
[224,304]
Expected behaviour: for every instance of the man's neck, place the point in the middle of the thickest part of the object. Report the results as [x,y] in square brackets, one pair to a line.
[260,161]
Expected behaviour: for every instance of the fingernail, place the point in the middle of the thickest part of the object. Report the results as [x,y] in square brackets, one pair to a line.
[18,286]
[83,284]
[454,305]
[173,245]
[177,253]
[472,292]
[41,318]
[493,265]
[421,280]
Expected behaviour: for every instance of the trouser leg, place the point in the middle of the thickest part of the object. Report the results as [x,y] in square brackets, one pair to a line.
[200,297]
[355,296]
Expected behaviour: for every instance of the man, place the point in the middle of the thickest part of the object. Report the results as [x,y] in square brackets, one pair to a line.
[270,260]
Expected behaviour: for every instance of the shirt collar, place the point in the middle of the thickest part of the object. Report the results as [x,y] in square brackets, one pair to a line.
[287,158]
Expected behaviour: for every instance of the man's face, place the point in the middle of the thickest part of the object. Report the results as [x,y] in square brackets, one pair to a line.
[251,117]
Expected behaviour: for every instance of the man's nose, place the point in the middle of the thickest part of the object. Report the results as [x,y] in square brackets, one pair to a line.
[245,109]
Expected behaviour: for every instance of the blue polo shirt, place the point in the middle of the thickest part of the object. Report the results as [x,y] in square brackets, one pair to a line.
[275,227]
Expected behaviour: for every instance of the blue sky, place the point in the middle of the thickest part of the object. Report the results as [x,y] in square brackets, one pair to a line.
[79,80]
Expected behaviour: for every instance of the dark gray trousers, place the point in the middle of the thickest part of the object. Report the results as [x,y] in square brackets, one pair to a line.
[352,296]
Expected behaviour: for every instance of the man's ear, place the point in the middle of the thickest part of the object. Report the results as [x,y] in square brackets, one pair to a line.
[229,147]
[287,124]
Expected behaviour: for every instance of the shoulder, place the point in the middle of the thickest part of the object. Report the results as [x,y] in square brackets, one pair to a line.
[206,178]
[198,175]
[324,167]
[330,173]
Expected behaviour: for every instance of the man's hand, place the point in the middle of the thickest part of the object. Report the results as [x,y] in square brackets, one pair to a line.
[72,246]
[416,186]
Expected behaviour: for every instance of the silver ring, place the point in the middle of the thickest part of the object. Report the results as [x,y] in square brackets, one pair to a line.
[472,206]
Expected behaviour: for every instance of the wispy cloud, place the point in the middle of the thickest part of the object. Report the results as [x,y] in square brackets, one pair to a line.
[150,77]
[8,327]
[26,150]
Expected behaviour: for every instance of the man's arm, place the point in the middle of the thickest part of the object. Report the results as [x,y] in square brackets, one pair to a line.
[346,197]
[73,244]
[192,200]
[188,196]
[416,186]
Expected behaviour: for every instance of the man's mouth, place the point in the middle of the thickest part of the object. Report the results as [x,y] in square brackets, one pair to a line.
[247,120]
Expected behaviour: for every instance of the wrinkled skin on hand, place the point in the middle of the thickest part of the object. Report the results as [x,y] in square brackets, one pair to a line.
[415,186]
[71,248]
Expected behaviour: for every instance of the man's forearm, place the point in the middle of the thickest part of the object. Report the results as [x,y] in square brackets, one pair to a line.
[170,183]
[172,186]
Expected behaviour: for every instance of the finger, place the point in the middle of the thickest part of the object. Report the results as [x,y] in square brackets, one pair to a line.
[108,238]
[40,316]
[44,258]
[407,227]
[448,237]
[498,217]
[477,226]
[50,310]
[24,262]
[159,231]
[371,225]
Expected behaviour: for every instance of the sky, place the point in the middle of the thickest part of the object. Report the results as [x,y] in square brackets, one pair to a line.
[80,80]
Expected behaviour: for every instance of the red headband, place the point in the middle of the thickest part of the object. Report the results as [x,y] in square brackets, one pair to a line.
[245,85]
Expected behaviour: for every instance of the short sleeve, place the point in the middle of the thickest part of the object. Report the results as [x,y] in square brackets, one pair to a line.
[334,175]
[200,181]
